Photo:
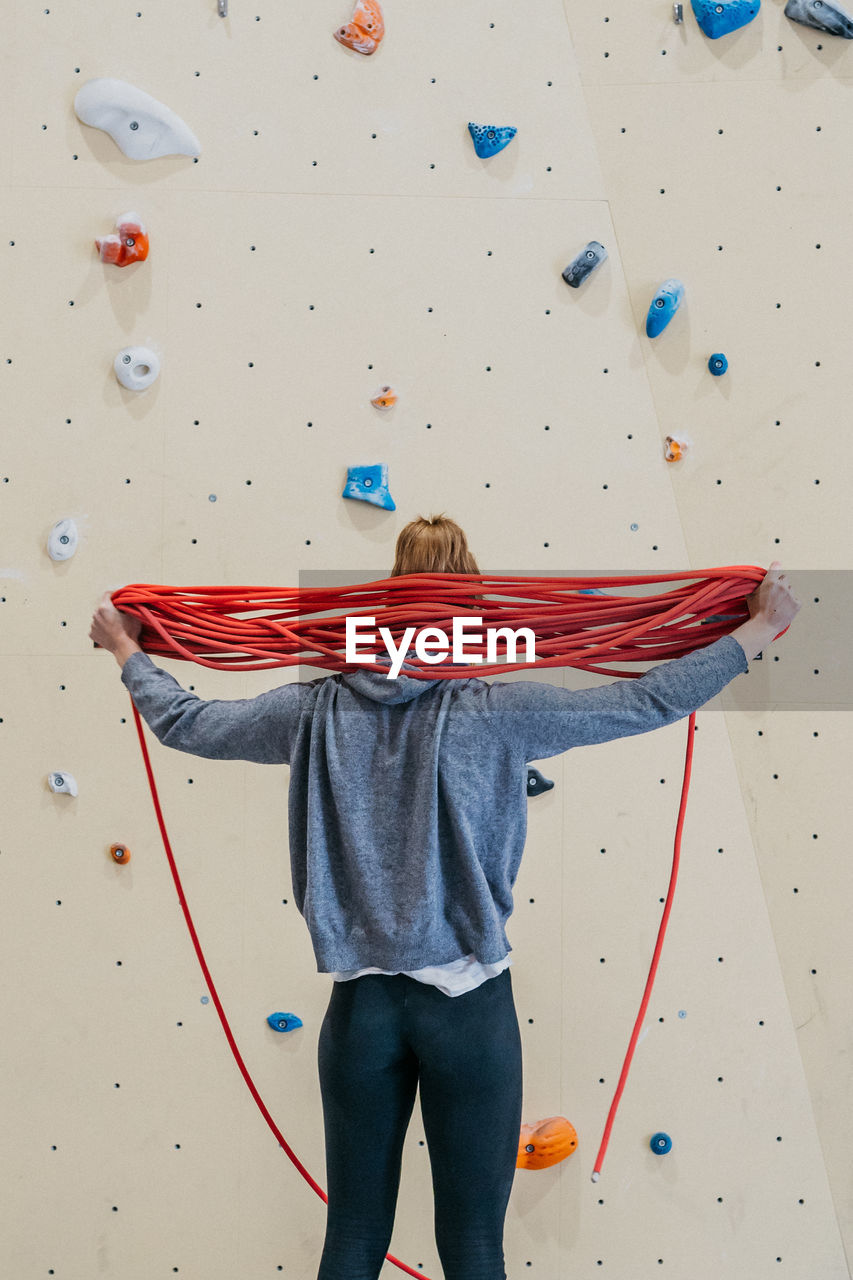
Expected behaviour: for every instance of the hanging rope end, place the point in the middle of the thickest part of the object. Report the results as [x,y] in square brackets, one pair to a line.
[596,1175]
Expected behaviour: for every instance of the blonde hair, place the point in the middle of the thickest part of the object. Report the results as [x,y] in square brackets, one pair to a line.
[436,545]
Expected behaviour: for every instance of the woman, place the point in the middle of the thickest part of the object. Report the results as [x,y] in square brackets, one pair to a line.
[407,818]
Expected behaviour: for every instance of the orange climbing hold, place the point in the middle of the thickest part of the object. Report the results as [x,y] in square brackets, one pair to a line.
[128,244]
[675,447]
[364,33]
[545,1143]
[120,853]
[385,399]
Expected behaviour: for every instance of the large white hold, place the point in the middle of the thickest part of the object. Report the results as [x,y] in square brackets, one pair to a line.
[137,367]
[62,540]
[141,126]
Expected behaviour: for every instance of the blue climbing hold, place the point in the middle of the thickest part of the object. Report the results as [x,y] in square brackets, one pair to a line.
[719,17]
[590,591]
[585,263]
[284,1021]
[536,784]
[370,484]
[718,364]
[661,1143]
[822,14]
[489,139]
[663,307]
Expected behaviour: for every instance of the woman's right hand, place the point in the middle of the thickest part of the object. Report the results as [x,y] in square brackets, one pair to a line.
[773,601]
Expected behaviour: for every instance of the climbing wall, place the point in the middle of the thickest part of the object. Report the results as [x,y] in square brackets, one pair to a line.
[335,232]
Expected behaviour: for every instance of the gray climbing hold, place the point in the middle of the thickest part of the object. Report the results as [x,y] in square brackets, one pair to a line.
[823,15]
[488,139]
[719,17]
[370,484]
[584,264]
[536,784]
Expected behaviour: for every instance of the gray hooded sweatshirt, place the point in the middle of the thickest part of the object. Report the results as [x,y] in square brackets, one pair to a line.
[407,807]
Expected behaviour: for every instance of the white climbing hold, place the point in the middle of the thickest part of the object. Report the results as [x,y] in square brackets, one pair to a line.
[137,367]
[142,127]
[64,782]
[62,540]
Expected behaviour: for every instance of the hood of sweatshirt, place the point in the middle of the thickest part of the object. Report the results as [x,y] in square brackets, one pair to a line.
[377,684]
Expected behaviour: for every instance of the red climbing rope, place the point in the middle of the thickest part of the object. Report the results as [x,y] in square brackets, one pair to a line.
[676,859]
[203,625]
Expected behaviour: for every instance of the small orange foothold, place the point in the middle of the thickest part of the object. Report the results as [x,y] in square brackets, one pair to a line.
[545,1143]
[128,244]
[364,33]
[386,397]
[675,446]
[120,853]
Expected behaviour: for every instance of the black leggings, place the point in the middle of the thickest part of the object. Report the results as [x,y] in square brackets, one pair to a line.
[382,1036]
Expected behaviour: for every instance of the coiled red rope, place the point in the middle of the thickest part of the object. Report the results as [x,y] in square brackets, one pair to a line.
[204,625]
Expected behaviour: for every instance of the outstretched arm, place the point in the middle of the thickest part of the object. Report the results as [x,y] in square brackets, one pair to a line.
[258,729]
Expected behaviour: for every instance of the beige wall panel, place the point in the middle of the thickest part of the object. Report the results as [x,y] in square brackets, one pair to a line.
[7,70]
[799,820]
[335,201]
[334,120]
[765,300]
[719,1053]
[628,44]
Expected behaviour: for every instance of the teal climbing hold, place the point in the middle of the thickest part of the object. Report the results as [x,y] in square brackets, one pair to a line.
[663,307]
[284,1021]
[719,17]
[370,484]
[489,139]
[718,364]
[661,1143]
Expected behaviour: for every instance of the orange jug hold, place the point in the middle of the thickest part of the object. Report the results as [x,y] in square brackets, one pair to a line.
[545,1143]
[364,33]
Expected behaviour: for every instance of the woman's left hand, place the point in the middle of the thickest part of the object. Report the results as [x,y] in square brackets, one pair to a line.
[109,626]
